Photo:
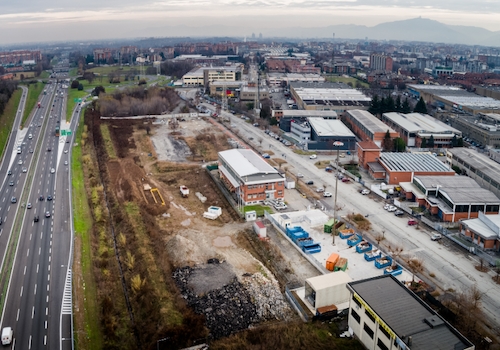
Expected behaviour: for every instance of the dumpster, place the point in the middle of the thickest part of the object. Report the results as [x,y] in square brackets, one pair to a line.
[341,264]
[331,261]
[353,240]
[383,261]
[363,247]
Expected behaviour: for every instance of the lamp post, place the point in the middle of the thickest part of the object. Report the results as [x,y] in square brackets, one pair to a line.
[337,144]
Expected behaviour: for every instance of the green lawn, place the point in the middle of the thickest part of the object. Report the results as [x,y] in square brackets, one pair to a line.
[82,218]
[8,117]
[72,94]
[73,72]
[34,91]
[258,208]
[44,75]
[111,69]
[341,79]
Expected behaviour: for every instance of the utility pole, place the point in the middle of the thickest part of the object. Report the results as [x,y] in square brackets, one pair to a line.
[336,144]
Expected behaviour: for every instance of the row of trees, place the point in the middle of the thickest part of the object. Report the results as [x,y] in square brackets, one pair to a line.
[388,104]
[7,88]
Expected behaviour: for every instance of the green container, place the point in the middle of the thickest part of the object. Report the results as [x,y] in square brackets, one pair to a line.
[328,227]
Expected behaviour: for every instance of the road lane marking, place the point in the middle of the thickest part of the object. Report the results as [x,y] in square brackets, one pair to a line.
[29,343]
[46,311]
[21,294]
[17,317]
[28,253]
[33,313]
[35,290]
[25,270]
[30,236]
[37,266]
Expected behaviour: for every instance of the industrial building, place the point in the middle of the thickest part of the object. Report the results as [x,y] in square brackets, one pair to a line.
[415,127]
[384,314]
[367,127]
[450,198]
[395,168]
[482,129]
[336,97]
[250,177]
[232,88]
[285,117]
[324,132]
[248,92]
[381,62]
[452,98]
[280,79]
[202,76]
[485,171]
[484,231]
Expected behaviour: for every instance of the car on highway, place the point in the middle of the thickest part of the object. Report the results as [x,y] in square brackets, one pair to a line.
[20,162]
[29,206]
[49,197]
[365,192]
[13,200]
[52,171]
[25,170]
[41,198]
[436,237]
[327,194]
[36,218]
[49,149]
[313,156]
[65,151]
[310,182]
[320,189]
[9,172]
[47,214]
[31,151]
[65,162]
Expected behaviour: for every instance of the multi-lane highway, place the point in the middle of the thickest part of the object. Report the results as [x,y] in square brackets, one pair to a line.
[36,236]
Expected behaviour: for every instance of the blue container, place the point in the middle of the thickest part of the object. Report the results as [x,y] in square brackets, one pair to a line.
[383,261]
[311,248]
[374,254]
[354,240]
[393,270]
[363,247]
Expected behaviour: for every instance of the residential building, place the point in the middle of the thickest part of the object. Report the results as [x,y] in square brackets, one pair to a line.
[384,314]
[203,76]
[381,62]
[250,177]
[484,231]
[414,128]
[104,55]
[17,57]
[367,127]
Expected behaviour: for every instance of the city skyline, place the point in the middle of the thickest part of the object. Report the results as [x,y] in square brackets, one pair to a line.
[54,20]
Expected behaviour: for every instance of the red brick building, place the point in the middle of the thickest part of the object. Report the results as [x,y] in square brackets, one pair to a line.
[484,231]
[250,177]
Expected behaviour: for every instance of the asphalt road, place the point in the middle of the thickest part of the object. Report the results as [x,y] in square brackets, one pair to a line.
[453,268]
[39,289]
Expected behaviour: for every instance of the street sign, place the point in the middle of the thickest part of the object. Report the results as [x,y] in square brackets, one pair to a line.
[63,132]
[68,132]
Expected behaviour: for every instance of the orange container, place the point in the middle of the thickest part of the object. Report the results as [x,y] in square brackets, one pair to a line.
[331,261]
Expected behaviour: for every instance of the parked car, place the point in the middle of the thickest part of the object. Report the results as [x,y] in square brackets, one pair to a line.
[399,213]
[320,189]
[386,207]
[299,175]
[265,155]
[310,182]
[392,208]
[345,179]
[436,237]
[313,156]
[365,192]
[327,194]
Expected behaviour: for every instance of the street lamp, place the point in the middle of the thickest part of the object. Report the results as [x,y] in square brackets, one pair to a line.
[337,144]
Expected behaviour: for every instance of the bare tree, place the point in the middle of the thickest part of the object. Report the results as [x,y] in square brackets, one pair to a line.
[260,141]
[174,124]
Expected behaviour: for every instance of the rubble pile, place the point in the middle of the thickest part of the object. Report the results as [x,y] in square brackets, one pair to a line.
[267,297]
[226,309]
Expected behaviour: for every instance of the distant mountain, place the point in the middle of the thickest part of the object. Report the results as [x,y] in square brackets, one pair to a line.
[416,29]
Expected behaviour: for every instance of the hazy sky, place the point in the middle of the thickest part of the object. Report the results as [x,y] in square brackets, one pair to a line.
[52,20]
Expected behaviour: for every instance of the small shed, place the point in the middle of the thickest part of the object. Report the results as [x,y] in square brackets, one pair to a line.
[329,289]
[260,229]
[289,183]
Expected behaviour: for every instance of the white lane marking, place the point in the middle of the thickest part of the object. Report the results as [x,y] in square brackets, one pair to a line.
[45,324]
[31,236]
[29,344]
[17,317]
[25,270]
[39,250]
[33,313]
[45,340]
[28,253]
[35,290]
[37,267]
[21,294]
[46,311]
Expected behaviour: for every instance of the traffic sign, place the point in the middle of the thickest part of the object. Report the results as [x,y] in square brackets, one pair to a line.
[63,132]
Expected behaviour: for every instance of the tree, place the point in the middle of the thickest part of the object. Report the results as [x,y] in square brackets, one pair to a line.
[399,144]
[397,106]
[431,142]
[424,143]
[460,142]
[89,76]
[98,90]
[405,107]
[374,106]
[387,144]
[420,107]
[75,84]
[454,141]
[80,87]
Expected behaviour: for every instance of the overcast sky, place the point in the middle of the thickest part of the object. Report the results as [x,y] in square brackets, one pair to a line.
[54,20]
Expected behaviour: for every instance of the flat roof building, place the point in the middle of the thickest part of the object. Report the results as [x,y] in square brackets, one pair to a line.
[337,97]
[324,132]
[414,128]
[202,76]
[249,176]
[384,314]
[484,231]
[485,171]
[367,127]
[453,98]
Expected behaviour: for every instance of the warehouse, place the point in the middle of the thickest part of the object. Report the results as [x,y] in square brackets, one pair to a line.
[336,97]
[421,130]
[285,117]
[484,231]
[384,314]
[367,127]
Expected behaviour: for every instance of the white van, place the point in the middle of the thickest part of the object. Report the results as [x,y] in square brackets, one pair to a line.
[30,136]
[7,334]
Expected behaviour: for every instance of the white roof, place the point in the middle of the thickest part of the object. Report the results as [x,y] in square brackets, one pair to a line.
[246,162]
[328,280]
[416,122]
[329,127]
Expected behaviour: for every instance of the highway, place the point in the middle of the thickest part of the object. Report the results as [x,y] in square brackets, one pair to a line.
[38,297]
[452,268]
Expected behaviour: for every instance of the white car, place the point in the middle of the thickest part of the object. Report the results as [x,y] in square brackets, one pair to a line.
[365,192]
[20,162]
[436,237]
[299,175]
[392,208]
[320,189]
[52,171]
[65,162]
[327,194]
[386,207]
[313,156]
